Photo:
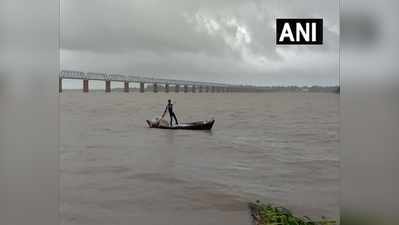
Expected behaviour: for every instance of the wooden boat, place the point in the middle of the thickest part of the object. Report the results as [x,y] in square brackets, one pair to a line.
[198,125]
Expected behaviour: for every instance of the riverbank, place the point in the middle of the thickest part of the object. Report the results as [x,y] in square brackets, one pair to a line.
[267,214]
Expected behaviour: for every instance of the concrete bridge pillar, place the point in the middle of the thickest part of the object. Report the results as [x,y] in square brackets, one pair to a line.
[213,89]
[200,89]
[177,88]
[155,87]
[85,85]
[207,89]
[185,88]
[166,88]
[193,89]
[107,86]
[60,85]
[141,87]
[126,86]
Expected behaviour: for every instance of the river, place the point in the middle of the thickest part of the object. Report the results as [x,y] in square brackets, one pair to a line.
[278,147]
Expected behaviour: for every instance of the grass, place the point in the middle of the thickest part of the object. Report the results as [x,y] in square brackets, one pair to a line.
[263,214]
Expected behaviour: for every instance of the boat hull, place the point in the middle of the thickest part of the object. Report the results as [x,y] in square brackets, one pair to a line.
[199,125]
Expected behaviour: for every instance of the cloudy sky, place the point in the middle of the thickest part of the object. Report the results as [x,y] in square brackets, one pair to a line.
[210,40]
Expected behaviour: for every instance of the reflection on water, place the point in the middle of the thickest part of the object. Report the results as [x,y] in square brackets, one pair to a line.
[277,147]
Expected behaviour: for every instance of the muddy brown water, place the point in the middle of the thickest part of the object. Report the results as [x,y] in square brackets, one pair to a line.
[277,147]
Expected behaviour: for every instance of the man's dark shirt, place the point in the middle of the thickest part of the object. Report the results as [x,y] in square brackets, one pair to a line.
[169,107]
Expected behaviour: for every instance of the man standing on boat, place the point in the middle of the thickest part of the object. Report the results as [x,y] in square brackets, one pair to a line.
[169,107]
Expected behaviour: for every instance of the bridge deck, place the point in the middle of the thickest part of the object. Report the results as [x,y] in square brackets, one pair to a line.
[69,74]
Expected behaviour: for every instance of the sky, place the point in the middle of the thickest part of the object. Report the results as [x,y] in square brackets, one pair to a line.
[230,41]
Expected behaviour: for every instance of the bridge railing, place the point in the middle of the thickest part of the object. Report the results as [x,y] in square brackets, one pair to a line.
[70,74]
[96,76]
[117,77]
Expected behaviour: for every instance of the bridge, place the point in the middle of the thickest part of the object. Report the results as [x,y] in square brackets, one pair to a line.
[155,82]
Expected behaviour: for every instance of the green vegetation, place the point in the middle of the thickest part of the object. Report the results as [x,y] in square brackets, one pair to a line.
[263,214]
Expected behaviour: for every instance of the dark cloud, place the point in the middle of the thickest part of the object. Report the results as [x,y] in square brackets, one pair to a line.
[219,40]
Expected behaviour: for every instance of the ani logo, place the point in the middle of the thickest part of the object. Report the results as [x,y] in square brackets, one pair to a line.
[299,31]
